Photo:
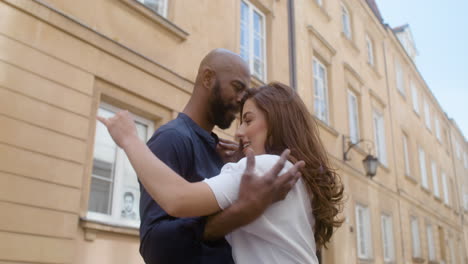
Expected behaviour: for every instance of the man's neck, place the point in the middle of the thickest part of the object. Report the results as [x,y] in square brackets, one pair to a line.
[198,113]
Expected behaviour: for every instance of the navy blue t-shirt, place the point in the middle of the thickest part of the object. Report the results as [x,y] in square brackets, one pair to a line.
[191,152]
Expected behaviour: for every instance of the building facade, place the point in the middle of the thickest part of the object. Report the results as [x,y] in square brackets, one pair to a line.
[70,195]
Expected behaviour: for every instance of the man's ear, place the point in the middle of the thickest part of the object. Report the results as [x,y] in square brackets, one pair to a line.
[208,78]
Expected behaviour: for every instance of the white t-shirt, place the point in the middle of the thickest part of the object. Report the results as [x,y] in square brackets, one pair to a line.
[283,234]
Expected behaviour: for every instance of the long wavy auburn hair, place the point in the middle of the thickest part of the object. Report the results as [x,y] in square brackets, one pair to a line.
[291,126]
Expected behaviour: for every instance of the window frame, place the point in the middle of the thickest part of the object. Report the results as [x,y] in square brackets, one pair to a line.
[435,179]
[423,168]
[415,237]
[430,243]
[163,13]
[370,50]
[437,129]
[399,77]
[427,115]
[347,31]
[366,229]
[387,226]
[406,155]
[116,189]
[379,136]
[354,132]
[415,97]
[315,71]
[251,36]
[445,188]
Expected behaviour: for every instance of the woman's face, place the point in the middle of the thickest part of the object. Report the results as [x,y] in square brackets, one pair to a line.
[253,129]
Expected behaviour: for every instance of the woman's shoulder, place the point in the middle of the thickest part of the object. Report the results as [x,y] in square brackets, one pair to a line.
[263,163]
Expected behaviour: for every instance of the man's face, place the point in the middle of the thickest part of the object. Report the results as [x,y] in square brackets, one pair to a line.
[128,203]
[226,97]
[224,107]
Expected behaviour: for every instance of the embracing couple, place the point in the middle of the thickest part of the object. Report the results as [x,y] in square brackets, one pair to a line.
[271,197]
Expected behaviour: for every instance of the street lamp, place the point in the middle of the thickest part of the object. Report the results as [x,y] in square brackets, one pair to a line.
[370,162]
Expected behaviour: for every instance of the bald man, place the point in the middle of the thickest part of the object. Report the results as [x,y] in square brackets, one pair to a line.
[188,145]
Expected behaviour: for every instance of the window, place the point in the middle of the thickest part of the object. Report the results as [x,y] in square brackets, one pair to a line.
[437,129]
[435,179]
[451,245]
[422,166]
[457,149]
[445,187]
[370,50]
[363,232]
[346,20]
[252,39]
[379,136]
[427,115]
[115,192]
[320,91]
[400,82]
[406,155]
[414,93]
[387,238]
[158,6]
[353,117]
[430,242]
[465,199]
[416,243]
[465,160]
[319,2]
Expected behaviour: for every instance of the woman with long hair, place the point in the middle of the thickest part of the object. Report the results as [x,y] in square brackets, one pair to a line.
[273,119]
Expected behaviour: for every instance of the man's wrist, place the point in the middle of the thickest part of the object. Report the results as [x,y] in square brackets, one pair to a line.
[246,211]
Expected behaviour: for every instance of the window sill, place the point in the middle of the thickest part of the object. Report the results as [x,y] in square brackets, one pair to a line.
[373,68]
[426,190]
[92,227]
[327,127]
[418,260]
[411,179]
[350,43]
[156,18]
[384,167]
[366,260]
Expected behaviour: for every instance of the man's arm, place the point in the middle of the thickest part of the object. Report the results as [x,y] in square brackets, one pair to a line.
[255,195]
[165,237]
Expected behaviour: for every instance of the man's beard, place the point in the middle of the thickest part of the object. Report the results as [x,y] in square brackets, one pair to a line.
[219,111]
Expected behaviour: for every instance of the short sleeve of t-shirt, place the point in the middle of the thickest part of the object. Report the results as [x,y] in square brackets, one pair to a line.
[226,185]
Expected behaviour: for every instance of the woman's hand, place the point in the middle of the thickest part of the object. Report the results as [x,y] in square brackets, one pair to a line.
[121,127]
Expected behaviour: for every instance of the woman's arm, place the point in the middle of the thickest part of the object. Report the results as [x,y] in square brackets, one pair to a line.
[173,193]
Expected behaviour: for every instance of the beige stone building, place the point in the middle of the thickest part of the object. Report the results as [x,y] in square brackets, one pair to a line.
[68,195]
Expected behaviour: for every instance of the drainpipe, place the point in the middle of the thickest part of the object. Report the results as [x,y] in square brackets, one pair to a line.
[292,45]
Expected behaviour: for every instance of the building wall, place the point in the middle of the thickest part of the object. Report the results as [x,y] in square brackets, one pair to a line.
[60,59]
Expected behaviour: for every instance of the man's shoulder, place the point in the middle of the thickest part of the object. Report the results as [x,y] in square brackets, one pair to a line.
[175,130]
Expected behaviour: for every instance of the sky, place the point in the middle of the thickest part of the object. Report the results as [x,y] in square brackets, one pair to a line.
[440,32]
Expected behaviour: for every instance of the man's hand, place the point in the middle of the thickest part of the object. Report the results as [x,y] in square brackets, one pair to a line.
[229,150]
[256,193]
